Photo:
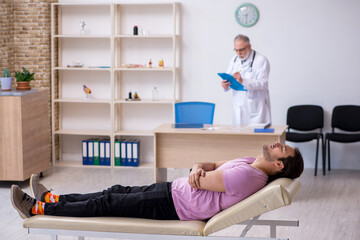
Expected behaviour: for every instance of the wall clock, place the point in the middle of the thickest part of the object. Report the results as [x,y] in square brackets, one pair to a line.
[247,15]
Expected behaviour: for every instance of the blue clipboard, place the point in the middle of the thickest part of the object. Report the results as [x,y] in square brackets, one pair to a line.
[234,84]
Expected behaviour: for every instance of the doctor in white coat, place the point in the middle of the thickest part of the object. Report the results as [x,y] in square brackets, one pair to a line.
[251,69]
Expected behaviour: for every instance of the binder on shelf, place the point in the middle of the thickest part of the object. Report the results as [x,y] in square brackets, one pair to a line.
[96,152]
[135,152]
[90,152]
[102,152]
[107,152]
[123,152]
[129,152]
[117,152]
[85,160]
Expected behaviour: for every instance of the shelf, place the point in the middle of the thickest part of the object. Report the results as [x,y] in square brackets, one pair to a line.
[142,165]
[81,4]
[65,163]
[83,68]
[166,69]
[146,101]
[79,100]
[146,36]
[83,132]
[134,133]
[82,36]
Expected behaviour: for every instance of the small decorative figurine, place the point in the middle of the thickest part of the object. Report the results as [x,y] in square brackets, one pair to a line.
[87,91]
[82,28]
[133,98]
[161,63]
[150,64]
[136,96]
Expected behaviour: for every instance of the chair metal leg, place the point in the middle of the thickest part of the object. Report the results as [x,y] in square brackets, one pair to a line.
[328,154]
[323,155]
[316,157]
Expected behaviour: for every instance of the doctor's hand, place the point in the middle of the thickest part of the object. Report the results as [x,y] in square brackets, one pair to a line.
[237,76]
[225,84]
[194,177]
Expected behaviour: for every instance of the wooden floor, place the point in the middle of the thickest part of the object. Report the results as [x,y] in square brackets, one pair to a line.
[327,206]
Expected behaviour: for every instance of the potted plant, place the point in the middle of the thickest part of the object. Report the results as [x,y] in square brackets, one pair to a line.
[23,79]
[6,80]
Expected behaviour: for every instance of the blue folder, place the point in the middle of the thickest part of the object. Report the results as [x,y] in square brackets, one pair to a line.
[123,152]
[263,130]
[135,153]
[85,160]
[102,151]
[107,152]
[234,84]
[90,151]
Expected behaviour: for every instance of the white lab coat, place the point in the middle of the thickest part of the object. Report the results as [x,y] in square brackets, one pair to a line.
[251,106]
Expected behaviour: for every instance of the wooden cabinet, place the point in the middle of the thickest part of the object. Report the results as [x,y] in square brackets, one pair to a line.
[106,48]
[24,134]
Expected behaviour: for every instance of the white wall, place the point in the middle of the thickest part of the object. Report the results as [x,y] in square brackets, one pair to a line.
[313,49]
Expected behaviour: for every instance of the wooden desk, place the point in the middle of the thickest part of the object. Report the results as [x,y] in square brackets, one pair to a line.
[182,147]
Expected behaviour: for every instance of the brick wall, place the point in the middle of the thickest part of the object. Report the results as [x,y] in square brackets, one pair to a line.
[25,38]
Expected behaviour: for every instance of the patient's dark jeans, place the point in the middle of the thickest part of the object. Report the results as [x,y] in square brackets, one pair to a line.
[153,202]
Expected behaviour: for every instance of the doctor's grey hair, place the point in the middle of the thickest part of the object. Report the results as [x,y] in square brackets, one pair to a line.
[241,37]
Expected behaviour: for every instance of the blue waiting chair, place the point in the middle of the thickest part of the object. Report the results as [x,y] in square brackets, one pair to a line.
[194,112]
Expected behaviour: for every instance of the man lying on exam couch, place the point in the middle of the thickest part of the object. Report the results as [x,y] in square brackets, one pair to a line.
[209,189]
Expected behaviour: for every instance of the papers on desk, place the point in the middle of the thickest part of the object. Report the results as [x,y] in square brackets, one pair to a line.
[234,84]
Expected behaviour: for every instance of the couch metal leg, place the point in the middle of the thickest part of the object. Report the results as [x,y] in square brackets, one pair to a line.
[54,237]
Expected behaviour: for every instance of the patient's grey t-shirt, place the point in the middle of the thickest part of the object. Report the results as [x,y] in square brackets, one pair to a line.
[240,180]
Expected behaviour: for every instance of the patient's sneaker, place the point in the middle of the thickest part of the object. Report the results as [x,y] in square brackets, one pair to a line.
[22,202]
[38,190]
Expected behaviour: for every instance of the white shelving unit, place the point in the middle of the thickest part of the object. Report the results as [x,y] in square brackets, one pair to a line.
[107,45]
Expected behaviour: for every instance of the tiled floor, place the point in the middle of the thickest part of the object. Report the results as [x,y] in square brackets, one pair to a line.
[327,206]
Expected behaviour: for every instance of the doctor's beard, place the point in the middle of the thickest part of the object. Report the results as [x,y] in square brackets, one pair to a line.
[245,56]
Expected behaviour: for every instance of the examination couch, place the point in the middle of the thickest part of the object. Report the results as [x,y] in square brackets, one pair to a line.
[276,194]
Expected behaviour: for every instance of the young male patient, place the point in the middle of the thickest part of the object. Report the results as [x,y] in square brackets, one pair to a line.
[209,189]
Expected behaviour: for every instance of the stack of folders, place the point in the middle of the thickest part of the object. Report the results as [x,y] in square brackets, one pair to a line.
[127,152]
[96,151]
